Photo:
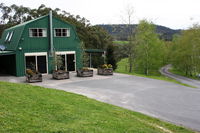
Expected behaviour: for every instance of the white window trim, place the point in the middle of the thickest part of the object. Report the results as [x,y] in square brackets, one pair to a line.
[37,54]
[37,36]
[65,52]
[68,32]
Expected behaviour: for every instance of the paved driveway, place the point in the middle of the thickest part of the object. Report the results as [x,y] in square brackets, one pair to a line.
[168,101]
[165,71]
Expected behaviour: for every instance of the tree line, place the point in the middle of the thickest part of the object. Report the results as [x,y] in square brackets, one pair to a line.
[185,51]
[120,31]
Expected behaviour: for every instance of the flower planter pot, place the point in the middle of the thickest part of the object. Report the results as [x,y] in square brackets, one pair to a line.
[105,71]
[34,78]
[84,73]
[60,74]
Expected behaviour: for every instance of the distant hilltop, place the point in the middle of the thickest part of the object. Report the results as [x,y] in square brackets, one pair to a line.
[120,31]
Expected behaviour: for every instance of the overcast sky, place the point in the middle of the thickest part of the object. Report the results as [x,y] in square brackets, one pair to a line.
[171,13]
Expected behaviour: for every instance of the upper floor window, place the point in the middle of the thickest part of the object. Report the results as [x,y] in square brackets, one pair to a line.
[38,32]
[61,32]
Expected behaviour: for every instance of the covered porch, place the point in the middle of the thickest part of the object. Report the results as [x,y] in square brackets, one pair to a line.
[92,53]
[7,63]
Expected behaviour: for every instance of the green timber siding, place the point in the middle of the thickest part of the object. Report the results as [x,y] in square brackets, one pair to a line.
[21,43]
[20,64]
[35,44]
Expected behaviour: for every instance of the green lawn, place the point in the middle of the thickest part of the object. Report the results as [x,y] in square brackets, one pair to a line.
[122,67]
[177,72]
[120,42]
[30,109]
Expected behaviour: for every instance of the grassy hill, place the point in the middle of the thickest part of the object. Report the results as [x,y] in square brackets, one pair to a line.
[30,109]
[120,31]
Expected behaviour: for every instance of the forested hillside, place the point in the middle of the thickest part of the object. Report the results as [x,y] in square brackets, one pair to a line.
[120,31]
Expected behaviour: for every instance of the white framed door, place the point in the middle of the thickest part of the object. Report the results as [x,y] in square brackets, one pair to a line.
[37,61]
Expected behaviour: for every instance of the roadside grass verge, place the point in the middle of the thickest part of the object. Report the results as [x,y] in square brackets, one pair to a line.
[177,72]
[120,42]
[31,109]
[122,67]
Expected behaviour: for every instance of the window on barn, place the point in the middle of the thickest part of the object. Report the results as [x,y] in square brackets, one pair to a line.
[11,34]
[7,36]
[38,32]
[61,32]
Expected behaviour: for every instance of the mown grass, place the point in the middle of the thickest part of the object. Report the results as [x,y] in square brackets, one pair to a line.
[31,109]
[120,42]
[122,67]
[177,72]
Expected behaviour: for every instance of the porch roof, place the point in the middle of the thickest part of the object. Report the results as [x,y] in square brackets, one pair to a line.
[94,50]
[7,53]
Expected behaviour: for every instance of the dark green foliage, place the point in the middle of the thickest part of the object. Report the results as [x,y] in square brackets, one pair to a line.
[121,51]
[85,56]
[97,60]
[110,57]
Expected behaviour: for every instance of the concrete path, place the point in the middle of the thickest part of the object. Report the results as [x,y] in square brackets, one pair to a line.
[165,100]
[165,71]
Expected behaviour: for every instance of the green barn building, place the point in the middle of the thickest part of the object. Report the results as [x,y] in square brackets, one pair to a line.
[33,44]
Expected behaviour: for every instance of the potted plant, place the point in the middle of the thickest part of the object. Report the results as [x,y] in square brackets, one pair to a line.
[84,72]
[105,69]
[33,76]
[59,72]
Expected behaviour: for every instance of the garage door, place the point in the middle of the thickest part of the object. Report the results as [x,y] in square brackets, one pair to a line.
[7,65]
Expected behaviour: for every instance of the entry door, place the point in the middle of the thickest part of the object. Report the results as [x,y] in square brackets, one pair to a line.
[63,62]
[31,62]
[38,63]
[71,62]
[41,64]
